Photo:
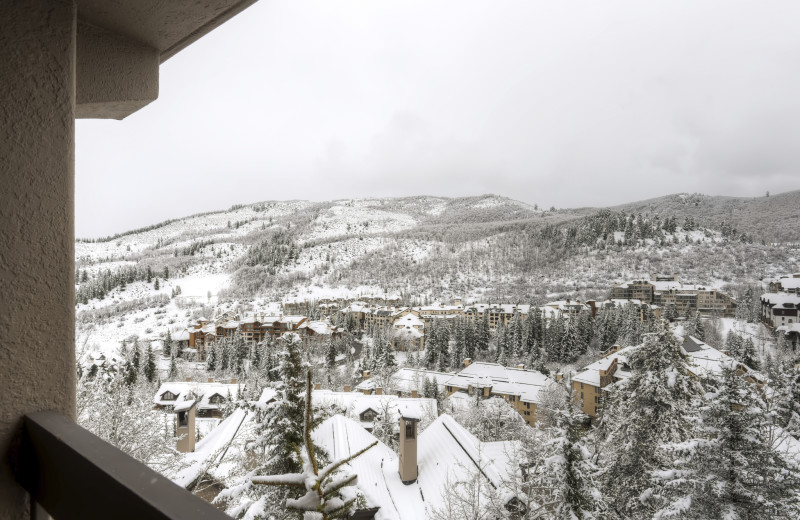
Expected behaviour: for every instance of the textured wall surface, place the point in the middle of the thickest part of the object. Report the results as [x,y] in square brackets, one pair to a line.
[37,346]
[115,76]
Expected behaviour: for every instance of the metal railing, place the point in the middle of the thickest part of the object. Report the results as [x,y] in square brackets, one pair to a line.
[71,473]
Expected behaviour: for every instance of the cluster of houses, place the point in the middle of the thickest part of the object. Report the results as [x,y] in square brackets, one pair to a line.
[407,324]
[591,384]
[409,481]
[780,307]
[664,290]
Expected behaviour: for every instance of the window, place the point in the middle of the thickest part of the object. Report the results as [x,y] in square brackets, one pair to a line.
[596,400]
[183,419]
[168,396]
[410,430]
[581,386]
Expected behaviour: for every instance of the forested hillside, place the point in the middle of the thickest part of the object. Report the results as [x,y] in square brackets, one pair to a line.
[485,247]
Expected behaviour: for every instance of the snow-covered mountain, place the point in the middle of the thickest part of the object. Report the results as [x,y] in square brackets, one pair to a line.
[481,248]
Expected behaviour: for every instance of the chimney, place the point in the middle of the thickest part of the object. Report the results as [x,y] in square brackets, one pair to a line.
[407,445]
[521,366]
[188,379]
[414,394]
[379,391]
[346,388]
[184,429]
[210,379]
[233,380]
[366,374]
[317,386]
[467,362]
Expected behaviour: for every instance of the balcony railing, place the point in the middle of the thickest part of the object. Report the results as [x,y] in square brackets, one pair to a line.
[71,473]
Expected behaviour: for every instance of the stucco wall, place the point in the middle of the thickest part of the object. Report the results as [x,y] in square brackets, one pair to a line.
[37,346]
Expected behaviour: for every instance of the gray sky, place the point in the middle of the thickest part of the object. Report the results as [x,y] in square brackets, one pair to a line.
[565,103]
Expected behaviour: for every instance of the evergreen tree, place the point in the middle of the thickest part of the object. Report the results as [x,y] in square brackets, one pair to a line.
[330,354]
[173,368]
[517,337]
[168,345]
[569,341]
[564,483]
[136,356]
[211,360]
[444,347]
[731,470]
[470,339]
[483,334]
[529,330]
[149,368]
[131,374]
[749,354]
[285,422]
[432,347]
[651,408]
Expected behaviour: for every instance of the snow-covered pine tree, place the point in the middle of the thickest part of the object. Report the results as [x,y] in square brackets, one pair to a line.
[569,341]
[168,345]
[732,470]
[330,354]
[470,339]
[444,347]
[483,334]
[173,368]
[432,346]
[651,408]
[149,368]
[734,345]
[517,337]
[136,355]
[283,426]
[749,354]
[563,485]
[211,360]
[324,486]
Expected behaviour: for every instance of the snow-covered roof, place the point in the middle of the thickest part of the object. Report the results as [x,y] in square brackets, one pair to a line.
[356,403]
[507,308]
[445,451]
[781,299]
[409,320]
[181,336]
[705,360]
[591,372]
[319,327]
[202,392]
[293,320]
[567,305]
[408,379]
[512,381]
[789,283]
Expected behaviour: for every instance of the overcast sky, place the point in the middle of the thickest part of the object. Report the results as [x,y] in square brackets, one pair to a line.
[565,103]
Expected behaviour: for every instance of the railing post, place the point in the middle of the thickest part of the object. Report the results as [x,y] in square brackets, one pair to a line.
[38,512]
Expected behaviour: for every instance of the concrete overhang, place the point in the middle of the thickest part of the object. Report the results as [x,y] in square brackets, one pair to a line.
[121,43]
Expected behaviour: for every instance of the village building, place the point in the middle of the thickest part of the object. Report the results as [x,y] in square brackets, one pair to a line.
[408,333]
[787,283]
[704,362]
[668,290]
[365,409]
[209,397]
[780,309]
[517,386]
[383,317]
[498,313]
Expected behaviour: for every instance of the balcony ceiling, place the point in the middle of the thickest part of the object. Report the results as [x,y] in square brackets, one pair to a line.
[166,25]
